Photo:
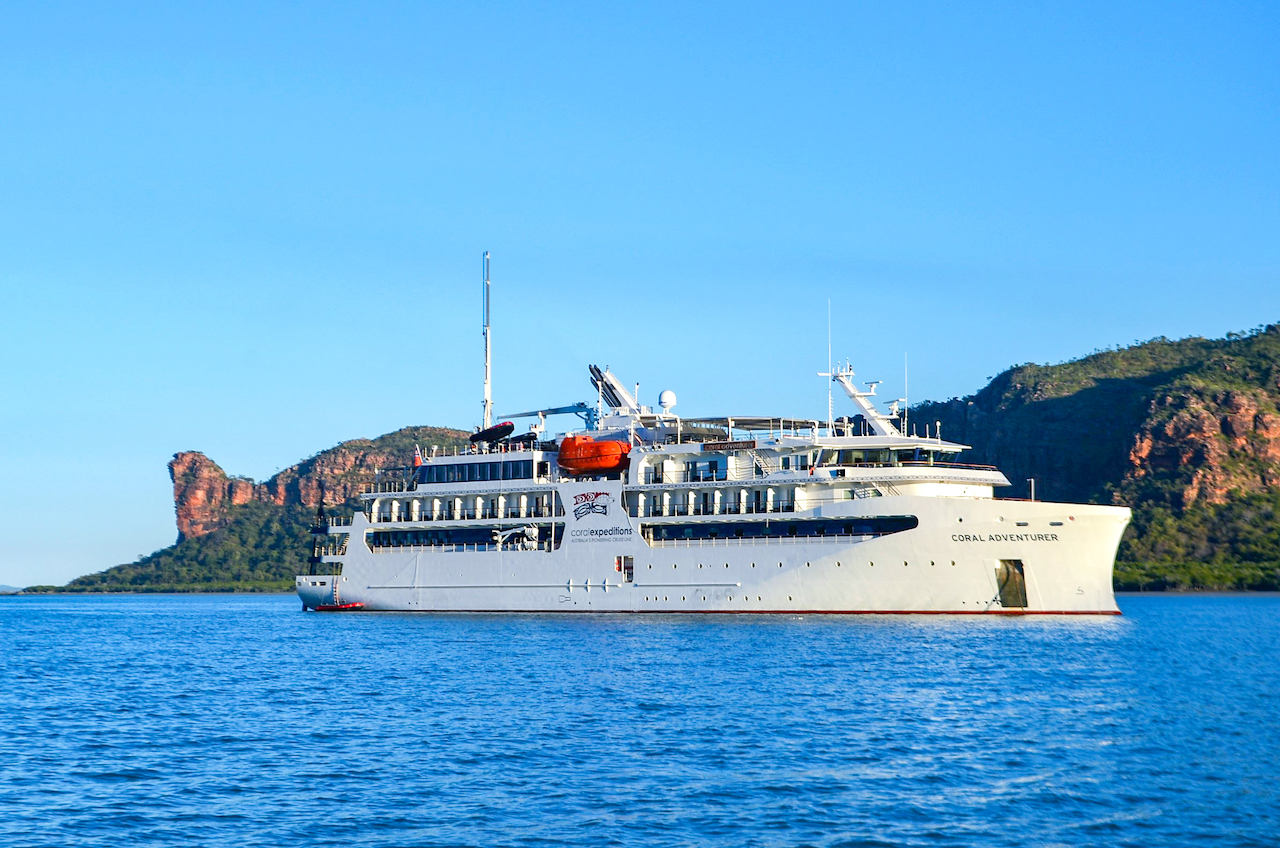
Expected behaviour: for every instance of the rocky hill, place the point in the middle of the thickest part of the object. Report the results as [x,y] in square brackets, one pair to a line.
[204,496]
[238,535]
[1186,432]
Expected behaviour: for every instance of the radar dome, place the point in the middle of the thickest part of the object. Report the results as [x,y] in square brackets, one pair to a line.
[666,400]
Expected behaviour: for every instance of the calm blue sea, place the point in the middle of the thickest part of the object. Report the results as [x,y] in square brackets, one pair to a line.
[241,721]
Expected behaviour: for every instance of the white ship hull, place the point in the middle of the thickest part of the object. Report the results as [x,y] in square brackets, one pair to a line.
[954,561]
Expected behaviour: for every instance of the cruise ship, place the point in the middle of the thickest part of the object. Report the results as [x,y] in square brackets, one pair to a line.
[641,511]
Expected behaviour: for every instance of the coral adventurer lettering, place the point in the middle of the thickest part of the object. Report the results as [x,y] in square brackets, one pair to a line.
[1004,537]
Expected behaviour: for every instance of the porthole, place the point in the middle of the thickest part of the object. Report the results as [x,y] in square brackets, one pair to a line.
[704,597]
[788,597]
[753,565]
[673,565]
[757,597]
[953,562]
[651,567]
[959,520]
[837,563]
[806,565]
[873,565]
[682,597]
[931,562]
[726,565]
[699,565]
[664,597]
[904,563]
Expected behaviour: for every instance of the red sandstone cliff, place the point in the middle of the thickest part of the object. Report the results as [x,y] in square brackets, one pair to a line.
[203,493]
[1228,441]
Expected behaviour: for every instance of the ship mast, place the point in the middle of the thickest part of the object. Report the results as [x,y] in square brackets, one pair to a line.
[488,394]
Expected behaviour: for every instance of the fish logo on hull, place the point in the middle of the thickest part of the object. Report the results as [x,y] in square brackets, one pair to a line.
[587,503]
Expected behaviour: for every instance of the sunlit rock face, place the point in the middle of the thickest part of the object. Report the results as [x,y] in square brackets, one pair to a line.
[1173,423]
[203,493]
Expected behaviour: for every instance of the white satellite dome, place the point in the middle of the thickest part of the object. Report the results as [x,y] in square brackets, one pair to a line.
[666,400]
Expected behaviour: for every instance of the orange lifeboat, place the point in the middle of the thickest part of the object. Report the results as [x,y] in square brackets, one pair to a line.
[584,455]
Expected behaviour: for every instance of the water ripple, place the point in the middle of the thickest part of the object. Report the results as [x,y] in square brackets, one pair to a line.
[238,721]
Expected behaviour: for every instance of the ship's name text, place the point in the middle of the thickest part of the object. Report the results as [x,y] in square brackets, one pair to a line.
[1005,537]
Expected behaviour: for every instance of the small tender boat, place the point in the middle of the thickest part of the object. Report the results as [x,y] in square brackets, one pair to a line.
[339,607]
[584,455]
[496,433]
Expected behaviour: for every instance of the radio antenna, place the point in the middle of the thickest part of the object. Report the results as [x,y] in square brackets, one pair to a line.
[488,394]
[830,424]
[906,394]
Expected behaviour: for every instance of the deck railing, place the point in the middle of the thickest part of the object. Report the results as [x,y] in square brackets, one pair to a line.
[469,515]
[656,511]
[656,477]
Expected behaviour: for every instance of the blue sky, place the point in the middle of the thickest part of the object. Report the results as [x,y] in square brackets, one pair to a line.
[255,230]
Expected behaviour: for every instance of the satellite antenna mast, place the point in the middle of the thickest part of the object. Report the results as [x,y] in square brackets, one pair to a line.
[906,393]
[830,423]
[488,394]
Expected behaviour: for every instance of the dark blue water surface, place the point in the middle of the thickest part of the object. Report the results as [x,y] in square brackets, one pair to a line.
[242,721]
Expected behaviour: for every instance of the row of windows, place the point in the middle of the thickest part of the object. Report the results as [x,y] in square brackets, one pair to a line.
[446,536]
[475,472]
[875,526]
[883,457]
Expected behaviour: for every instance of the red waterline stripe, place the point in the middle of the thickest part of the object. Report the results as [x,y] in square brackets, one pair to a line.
[755,612]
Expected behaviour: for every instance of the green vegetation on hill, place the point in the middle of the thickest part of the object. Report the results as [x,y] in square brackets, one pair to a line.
[1165,427]
[261,549]
[1232,546]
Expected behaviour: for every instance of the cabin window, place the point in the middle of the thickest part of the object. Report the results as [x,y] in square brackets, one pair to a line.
[869,526]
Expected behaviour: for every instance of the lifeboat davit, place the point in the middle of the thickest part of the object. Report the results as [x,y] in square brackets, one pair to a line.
[584,455]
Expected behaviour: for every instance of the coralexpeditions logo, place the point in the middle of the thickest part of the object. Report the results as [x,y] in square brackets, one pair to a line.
[589,502]
[595,503]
